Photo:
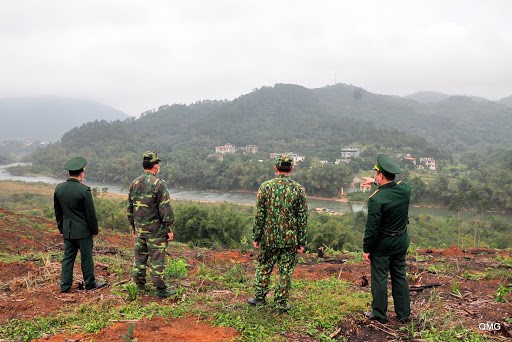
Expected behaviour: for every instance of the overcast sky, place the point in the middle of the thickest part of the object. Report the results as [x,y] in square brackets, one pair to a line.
[138,55]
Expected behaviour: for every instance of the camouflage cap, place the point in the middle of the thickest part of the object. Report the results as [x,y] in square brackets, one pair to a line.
[75,164]
[284,160]
[151,157]
[386,164]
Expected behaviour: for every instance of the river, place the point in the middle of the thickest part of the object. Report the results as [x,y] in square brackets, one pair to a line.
[211,196]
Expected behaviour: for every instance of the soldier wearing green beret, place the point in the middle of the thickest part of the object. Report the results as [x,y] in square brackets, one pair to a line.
[76,220]
[151,217]
[386,241]
[279,232]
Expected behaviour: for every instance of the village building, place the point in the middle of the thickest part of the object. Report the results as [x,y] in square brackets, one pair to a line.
[429,163]
[251,148]
[350,152]
[228,148]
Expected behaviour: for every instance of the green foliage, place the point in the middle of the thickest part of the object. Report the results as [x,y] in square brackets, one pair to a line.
[211,225]
[176,268]
[128,337]
[18,330]
[111,214]
[236,274]
[501,294]
[339,232]
[132,291]
[455,288]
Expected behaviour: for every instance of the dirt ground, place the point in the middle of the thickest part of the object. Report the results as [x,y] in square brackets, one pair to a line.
[29,286]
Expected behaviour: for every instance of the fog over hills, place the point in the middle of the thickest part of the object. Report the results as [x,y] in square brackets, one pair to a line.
[48,118]
[507,101]
[427,96]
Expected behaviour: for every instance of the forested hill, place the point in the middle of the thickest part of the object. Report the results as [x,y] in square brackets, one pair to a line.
[316,123]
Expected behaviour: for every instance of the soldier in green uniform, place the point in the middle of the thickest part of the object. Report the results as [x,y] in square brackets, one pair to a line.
[76,220]
[279,231]
[386,241]
[151,217]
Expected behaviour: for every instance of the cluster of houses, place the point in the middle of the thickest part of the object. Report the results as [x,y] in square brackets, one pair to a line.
[220,151]
[346,155]
[419,163]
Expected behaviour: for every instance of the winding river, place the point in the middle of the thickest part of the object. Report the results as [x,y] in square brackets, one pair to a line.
[210,196]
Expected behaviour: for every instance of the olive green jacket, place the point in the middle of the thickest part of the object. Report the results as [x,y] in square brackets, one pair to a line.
[386,226]
[74,210]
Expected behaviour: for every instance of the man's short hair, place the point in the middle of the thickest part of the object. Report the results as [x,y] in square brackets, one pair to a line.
[75,173]
[284,167]
[147,165]
[388,176]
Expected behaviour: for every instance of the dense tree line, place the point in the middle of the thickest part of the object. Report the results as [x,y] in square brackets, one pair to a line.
[315,123]
[230,226]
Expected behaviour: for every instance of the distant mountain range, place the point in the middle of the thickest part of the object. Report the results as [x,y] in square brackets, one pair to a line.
[434,96]
[48,118]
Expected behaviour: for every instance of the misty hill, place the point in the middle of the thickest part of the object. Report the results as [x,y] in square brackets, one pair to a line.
[427,96]
[47,118]
[507,101]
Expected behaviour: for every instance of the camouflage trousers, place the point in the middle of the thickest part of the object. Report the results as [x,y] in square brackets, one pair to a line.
[154,250]
[286,259]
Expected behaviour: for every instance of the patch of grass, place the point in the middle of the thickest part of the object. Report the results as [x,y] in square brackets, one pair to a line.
[317,308]
[455,288]
[498,273]
[355,257]
[473,275]
[18,330]
[441,268]
[9,257]
[452,335]
[507,261]
[236,275]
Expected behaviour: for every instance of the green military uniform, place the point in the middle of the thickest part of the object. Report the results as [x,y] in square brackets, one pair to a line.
[151,217]
[386,240]
[76,220]
[280,228]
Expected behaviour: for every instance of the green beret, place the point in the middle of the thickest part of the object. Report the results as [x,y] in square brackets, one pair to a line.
[284,160]
[386,164]
[151,157]
[75,164]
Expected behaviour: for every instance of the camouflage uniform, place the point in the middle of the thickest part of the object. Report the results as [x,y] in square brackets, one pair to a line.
[280,228]
[151,216]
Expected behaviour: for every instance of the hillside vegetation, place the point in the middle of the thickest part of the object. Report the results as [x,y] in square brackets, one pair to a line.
[455,291]
[469,139]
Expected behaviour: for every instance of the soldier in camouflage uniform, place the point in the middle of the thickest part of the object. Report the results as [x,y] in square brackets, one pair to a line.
[151,217]
[279,229]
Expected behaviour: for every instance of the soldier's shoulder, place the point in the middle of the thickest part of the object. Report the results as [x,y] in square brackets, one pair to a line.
[84,187]
[374,194]
[298,185]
